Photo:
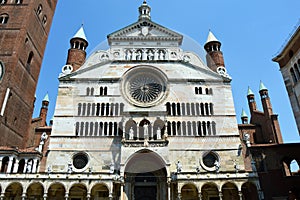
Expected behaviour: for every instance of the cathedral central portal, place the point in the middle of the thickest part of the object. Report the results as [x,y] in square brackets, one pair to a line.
[145,177]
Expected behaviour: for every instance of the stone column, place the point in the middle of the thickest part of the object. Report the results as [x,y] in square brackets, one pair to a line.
[9,166]
[1,162]
[122,191]
[179,196]
[199,195]
[220,195]
[66,196]
[2,195]
[34,166]
[16,167]
[24,196]
[241,195]
[169,191]
[45,196]
[88,196]
[25,166]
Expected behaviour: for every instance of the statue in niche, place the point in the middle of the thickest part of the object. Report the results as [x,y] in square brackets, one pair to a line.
[146,134]
[111,168]
[29,166]
[161,55]
[158,133]
[138,55]
[128,55]
[70,168]
[144,55]
[131,133]
[150,55]
[156,54]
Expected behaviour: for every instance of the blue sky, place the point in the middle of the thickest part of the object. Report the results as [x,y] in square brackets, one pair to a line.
[251,33]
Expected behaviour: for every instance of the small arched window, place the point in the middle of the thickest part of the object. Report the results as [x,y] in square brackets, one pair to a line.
[44,21]
[18,1]
[39,9]
[4,18]
[293,75]
[3,1]
[29,60]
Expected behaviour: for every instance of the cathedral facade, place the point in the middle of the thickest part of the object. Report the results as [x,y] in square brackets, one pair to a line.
[143,119]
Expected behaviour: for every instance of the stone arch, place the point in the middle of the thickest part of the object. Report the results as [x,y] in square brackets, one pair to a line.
[144,129]
[78,190]
[56,191]
[158,128]
[230,191]
[35,191]
[249,191]
[189,192]
[4,165]
[145,156]
[209,190]
[130,123]
[146,176]
[99,191]
[14,191]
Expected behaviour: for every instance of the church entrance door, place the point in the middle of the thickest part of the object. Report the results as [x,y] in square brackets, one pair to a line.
[145,192]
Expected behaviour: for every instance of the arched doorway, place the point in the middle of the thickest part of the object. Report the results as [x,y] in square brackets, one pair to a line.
[146,177]
[230,192]
[249,191]
[35,191]
[56,191]
[189,192]
[99,191]
[14,191]
[210,192]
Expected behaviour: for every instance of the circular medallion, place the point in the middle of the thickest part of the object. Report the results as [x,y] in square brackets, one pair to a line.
[144,86]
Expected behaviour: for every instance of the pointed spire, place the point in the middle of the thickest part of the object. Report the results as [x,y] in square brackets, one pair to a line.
[250,91]
[243,114]
[262,86]
[46,98]
[211,37]
[80,34]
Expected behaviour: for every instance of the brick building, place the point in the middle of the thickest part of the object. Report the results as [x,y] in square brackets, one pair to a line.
[24,29]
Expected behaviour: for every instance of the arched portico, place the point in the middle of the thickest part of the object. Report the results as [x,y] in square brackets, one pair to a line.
[56,191]
[210,191]
[14,191]
[249,191]
[230,192]
[35,191]
[146,177]
[189,192]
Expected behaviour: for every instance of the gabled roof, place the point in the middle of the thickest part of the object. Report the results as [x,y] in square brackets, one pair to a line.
[145,30]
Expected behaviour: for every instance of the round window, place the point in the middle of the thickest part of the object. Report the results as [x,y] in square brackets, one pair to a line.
[80,161]
[210,161]
[144,86]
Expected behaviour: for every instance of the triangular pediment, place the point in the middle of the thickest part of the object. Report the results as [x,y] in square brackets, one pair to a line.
[145,30]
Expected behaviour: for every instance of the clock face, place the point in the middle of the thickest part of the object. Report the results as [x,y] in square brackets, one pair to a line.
[144,86]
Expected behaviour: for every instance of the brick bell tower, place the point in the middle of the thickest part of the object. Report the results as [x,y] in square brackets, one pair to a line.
[214,56]
[24,30]
[77,51]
